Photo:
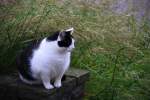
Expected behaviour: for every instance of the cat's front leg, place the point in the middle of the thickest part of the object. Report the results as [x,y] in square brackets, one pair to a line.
[57,82]
[46,81]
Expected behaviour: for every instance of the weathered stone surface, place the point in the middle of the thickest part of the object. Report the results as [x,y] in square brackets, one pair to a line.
[78,93]
[6,2]
[11,88]
[138,8]
[80,75]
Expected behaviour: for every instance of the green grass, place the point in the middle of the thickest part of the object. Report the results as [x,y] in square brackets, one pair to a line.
[114,48]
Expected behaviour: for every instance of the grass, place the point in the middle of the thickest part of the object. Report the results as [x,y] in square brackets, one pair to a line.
[114,48]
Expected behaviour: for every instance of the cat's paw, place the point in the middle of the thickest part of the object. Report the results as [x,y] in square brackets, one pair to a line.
[49,86]
[57,84]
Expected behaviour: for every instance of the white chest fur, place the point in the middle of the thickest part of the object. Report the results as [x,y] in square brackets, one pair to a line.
[49,59]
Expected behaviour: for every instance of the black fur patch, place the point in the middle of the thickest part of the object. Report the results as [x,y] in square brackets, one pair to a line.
[53,37]
[66,40]
[23,62]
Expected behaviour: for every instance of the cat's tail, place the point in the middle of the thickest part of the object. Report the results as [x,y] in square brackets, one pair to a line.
[29,81]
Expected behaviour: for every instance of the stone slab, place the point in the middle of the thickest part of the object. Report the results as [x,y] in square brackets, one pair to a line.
[81,75]
[11,88]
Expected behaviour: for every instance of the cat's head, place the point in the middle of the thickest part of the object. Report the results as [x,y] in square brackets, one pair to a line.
[66,40]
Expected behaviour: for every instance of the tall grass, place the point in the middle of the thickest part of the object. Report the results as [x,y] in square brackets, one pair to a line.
[114,48]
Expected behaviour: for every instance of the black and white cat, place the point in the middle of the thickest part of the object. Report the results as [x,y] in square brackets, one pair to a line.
[47,59]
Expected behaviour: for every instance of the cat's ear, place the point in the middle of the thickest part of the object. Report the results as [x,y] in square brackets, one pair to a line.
[69,31]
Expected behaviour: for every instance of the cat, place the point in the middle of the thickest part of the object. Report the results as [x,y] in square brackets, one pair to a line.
[47,59]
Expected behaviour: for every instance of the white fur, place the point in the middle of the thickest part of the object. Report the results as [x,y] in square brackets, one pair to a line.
[49,62]
[27,81]
[70,29]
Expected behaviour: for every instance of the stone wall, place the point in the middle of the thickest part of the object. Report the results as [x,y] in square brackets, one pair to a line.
[6,2]
[138,8]
[11,88]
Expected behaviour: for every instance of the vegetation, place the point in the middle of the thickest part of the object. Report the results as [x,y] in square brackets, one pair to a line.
[114,48]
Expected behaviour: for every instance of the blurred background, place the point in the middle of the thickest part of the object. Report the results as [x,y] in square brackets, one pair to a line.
[112,41]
